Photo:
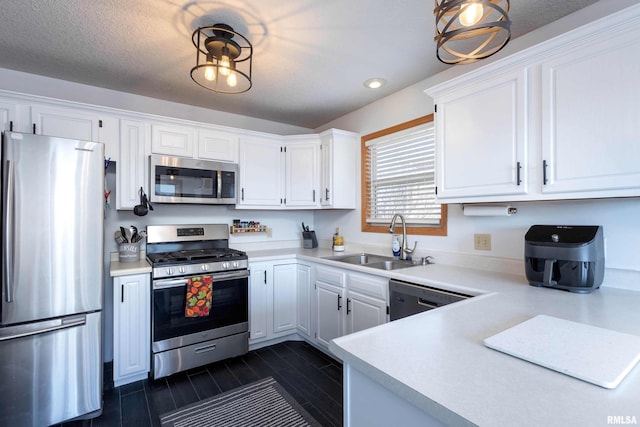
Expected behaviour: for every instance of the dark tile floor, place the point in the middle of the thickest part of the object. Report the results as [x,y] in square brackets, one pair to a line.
[311,377]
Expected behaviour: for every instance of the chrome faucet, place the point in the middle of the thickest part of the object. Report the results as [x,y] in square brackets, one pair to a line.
[405,250]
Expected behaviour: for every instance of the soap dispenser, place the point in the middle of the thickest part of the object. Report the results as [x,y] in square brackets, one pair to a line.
[395,246]
[338,241]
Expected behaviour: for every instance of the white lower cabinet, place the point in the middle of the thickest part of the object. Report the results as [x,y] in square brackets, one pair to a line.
[366,302]
[329,309]
[273,299]
[347,302]
[284,297]
[304,299]
[131,328]
[259,284]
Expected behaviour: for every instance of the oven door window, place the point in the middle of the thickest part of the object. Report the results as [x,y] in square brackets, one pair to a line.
[185,182]
[229,306]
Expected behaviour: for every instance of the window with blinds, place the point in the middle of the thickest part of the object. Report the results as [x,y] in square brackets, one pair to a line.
[399,177]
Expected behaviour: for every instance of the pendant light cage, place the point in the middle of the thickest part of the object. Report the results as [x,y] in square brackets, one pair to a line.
[469,30]
[223,59]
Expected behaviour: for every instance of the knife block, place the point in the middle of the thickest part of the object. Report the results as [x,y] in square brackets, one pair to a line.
[309,240]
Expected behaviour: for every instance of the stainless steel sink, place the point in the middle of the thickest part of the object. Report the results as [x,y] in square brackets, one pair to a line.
[360,259]
[391,264]
[374,261]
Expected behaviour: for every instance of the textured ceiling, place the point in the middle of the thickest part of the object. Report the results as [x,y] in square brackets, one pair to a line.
[311,57]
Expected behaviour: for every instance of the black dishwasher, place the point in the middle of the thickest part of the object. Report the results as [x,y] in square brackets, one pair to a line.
[407,299]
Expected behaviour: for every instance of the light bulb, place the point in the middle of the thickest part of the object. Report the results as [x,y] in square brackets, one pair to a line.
[232,79]
[224,65]
[471,14]
[210,71]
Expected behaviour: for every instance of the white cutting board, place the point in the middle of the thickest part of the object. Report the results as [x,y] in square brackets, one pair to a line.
[596,355]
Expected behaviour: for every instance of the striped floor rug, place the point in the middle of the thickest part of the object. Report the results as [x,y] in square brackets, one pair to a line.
[262,403]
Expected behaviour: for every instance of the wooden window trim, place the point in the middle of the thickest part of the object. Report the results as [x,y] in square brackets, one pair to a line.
[365,192]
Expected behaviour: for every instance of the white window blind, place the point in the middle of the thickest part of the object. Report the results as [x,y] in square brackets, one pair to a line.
[401,170]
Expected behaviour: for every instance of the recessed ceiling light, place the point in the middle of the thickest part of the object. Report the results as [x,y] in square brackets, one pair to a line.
[375,83]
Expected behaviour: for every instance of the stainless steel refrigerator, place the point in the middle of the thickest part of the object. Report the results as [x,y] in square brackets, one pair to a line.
[52,290]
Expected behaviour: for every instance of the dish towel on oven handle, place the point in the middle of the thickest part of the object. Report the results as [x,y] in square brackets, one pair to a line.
[198,300]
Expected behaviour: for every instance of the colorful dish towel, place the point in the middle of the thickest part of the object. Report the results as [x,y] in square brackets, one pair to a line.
[198,301]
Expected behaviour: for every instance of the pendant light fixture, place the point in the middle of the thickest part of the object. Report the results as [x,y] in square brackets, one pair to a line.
[223,59]
[469,30]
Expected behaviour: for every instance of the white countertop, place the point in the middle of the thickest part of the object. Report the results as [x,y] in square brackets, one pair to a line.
[437,360]
[117,268]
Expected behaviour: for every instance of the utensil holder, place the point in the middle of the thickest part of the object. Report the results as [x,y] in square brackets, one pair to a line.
[129,252]
[309,240]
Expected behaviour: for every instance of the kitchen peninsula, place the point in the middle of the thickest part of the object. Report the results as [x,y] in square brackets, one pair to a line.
[433,368]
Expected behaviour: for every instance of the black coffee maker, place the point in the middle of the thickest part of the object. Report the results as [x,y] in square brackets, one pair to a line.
[567,257]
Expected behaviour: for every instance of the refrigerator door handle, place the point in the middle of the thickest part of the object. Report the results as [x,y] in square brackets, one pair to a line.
[7,236]
[20,331]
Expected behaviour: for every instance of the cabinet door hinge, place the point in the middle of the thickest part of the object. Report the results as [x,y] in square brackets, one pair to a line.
[34,128]
[11,125]
[435,108]
[121,293]
[387,310]
[436,190]
[99,123]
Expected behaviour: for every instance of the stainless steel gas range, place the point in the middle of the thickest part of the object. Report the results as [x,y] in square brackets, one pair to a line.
[200,297]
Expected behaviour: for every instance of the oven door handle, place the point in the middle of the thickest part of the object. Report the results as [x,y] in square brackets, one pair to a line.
[173,283]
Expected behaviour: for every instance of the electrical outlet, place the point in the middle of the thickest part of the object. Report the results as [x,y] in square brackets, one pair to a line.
[482,242]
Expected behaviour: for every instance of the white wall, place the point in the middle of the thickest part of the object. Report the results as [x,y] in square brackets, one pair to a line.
[619,217]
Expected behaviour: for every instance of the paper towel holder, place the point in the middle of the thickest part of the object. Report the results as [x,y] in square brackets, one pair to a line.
[475,209]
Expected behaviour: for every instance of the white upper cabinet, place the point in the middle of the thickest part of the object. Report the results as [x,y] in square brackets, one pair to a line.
[591,117]
[133,166]
[559,120]
[217,145]
[481,137]
[278,172]
[194,142]
[338,169]
[302,172]
[7,115]
[261,172]
[77,123]
[172,140]
[65,122]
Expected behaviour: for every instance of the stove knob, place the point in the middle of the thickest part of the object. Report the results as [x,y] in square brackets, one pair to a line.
[204,267]
[235,264]
[182,270]
[169,271]
[225,265]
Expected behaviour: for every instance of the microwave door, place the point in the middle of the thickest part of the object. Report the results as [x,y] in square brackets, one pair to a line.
[227,187]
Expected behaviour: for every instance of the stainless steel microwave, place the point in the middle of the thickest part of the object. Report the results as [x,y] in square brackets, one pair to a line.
[182,180]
